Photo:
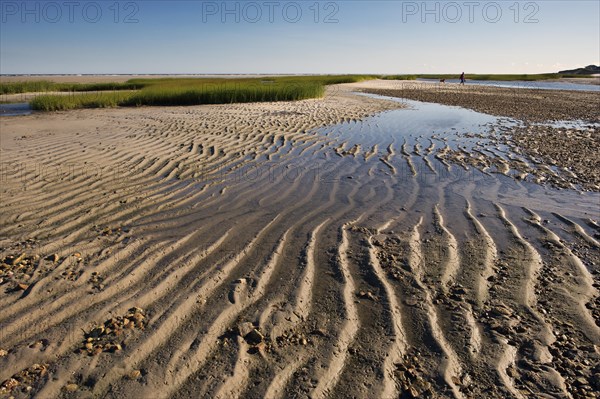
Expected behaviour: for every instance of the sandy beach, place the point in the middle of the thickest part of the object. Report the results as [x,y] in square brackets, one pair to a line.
[350,246]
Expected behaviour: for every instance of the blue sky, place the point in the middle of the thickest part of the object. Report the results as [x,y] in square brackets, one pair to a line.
[297,37]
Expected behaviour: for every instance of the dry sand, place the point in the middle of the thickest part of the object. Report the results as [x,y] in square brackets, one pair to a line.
[229,251]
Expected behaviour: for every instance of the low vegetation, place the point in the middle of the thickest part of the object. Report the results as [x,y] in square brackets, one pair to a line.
[194,91]
[399,77]
[47,86]
[53,102]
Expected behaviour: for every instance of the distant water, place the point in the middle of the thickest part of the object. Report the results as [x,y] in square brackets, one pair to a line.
[15,109]
[544,85]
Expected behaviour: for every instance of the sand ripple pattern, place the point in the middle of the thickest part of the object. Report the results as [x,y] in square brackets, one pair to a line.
[275,260]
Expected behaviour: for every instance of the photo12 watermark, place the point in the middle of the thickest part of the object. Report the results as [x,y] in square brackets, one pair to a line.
[53,12]
[326,12]
[470,11]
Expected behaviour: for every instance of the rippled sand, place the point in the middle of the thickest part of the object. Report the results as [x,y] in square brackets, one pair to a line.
[324,248]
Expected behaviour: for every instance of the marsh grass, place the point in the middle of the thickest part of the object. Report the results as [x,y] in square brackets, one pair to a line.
[399,77]
[224,93]
[195,91]
[42,86]
[74,101]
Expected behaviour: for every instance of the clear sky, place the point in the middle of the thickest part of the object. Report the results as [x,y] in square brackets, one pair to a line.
[152,36]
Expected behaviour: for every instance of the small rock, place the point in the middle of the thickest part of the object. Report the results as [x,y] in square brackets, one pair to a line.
[511,372]
[53,258]
[97,332]
[11,260]
[115,348]
[412,301]
[254,337]
[71,387]
[134,374]
[10,384]
[581,381]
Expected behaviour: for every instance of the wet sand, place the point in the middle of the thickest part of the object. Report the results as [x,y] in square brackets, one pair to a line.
[323,248]
[567,155]
[526,104]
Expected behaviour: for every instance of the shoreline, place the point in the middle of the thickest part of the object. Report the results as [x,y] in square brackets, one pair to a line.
[528,105]
[570,151]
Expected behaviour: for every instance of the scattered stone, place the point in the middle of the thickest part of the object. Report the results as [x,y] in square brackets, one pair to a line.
[109,337]
[17,270]
[411,379]
[134,374]
[367,295]
[53,258]
[71,387]
[9,385]
[254,337]
[22,286]
[411,301]
[24,379]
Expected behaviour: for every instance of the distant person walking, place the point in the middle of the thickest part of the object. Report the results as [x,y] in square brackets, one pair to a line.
[462,78]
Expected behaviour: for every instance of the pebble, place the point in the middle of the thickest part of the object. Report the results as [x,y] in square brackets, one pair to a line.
[53,258]
[134,374]
[254,337]
[109,336]
[71,387]
[411,301]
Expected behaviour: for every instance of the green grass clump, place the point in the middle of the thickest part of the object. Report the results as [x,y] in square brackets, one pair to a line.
[47,86]
[399,77]
[224,93]
[196,91]
[26,87]
[74,101]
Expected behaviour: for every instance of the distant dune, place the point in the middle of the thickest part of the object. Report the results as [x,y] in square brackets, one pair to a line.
[588,70]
